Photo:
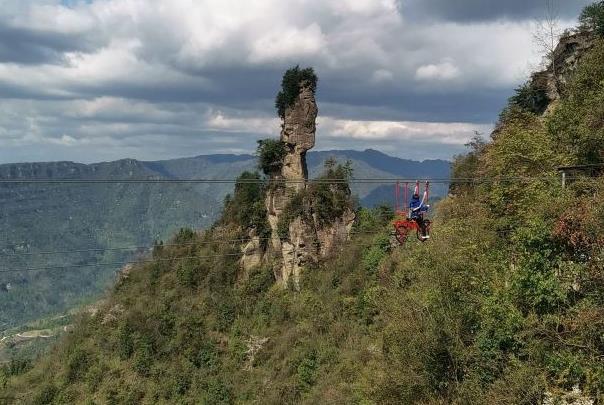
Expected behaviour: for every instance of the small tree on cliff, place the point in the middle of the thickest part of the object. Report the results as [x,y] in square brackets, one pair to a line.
[270,154]
[290,87]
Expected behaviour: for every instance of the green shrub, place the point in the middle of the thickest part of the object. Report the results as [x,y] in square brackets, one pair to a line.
[592,18]
[187,273]
[270,153]
[374,255]
[247,208]
[290,87]
[330,194]
[292,210]
[46,395]
[125,341]
[78,363]
[218,392]
[143,359]
[184,235]
[306,371]
[530,98]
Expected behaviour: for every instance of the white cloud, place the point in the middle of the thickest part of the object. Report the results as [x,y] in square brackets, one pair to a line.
[448,133]
[443,71]
[289,44]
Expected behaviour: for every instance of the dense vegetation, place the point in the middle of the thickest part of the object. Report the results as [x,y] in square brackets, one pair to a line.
[270,153]
[326,198]
[592,18]
[66,217]
[505,304]
[290,87]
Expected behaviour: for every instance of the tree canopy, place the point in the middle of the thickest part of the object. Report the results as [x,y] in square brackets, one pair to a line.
[290,87]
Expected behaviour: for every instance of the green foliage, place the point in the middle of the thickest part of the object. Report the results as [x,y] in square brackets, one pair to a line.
[592,18]
[246,208]
[46,395]
[290,87]
[466,166]
[307,371]
[270,153]
[331,193]
[375,254]
[297,206]
[78,363]
[530,98]
[577,124]
[187,273]
[325,199]
[125,346]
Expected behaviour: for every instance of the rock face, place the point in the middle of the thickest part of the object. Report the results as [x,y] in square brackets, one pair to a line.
[307,240]
[298,134]
[566,56]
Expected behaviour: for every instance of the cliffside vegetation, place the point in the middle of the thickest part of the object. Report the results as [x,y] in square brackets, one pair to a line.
[290,87]
[504,305]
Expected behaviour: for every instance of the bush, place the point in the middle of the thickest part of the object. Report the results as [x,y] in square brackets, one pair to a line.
[187,273]
[270,153]
[331,195]
[46,395]
[592,18]
[290,87]
[530,98]
[77,364]
[246,208]
[184,235]
[125,341]
[293,210]
[307,370]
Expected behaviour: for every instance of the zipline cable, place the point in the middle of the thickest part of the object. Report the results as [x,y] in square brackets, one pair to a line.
[376,180]
[121,264]
[138,248]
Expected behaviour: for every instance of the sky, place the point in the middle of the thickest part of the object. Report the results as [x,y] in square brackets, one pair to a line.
[102,80]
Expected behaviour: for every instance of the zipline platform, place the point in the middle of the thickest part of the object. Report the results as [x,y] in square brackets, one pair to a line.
[593,170]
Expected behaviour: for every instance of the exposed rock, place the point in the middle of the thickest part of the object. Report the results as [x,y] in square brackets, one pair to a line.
[252,252]
[306,241]
[335,234]
[566,57]
[254,345]
[298,133]
[573,397]
[113,314]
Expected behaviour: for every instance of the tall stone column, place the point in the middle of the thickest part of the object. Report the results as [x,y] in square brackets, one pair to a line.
[298,133]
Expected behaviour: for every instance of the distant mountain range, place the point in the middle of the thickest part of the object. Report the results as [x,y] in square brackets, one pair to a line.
[38,220]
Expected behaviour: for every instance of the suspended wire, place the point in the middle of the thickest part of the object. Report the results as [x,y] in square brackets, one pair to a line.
[109,249]
[116,264]
[124,263]
[140,248]
[375,180]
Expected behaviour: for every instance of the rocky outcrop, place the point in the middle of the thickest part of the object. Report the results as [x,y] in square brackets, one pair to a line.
[298,134]
[307,241]
[252,251]
[566,56]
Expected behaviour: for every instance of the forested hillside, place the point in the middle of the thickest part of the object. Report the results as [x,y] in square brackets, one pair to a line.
[89,220]
[504,305]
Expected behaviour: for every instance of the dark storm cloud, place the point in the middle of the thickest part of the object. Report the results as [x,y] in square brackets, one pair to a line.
[30,46]
[484,10]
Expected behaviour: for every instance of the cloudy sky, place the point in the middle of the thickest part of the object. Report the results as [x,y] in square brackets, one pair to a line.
[155,79]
